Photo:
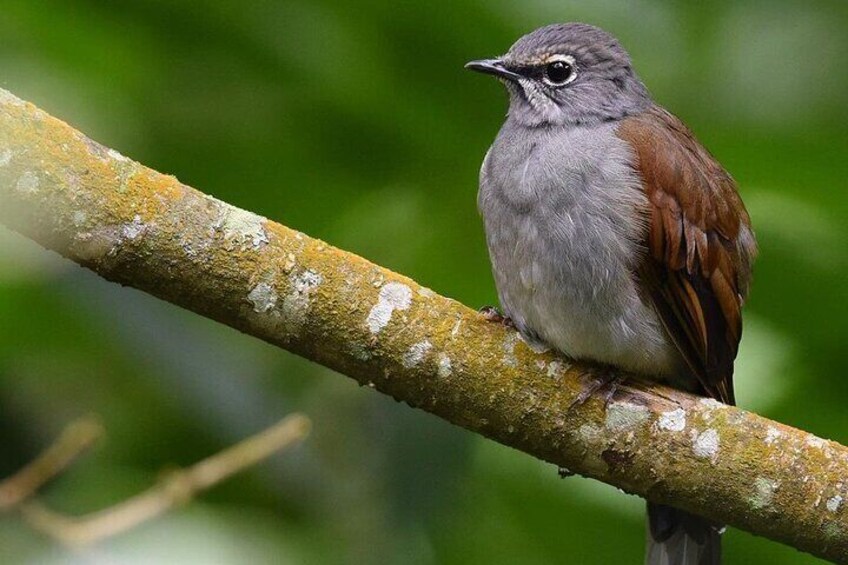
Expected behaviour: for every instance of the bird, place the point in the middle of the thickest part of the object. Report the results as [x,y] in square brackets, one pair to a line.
[614,235]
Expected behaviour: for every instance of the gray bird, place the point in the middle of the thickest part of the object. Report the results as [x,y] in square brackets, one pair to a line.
[614,235]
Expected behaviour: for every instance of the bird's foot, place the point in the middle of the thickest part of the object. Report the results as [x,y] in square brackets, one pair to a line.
[605,380]
[491,314]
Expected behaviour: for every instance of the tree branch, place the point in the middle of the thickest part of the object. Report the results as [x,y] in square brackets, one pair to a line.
[141,228]
[76,438]
[178,487]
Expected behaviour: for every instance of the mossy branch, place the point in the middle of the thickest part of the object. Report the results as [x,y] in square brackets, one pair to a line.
[141,228]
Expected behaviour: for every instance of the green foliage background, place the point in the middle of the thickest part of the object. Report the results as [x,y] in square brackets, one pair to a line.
[356,123]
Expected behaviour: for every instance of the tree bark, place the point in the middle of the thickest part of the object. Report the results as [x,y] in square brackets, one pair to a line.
[138,227]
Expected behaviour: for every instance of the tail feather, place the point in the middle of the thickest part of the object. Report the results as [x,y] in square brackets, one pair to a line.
[676,537]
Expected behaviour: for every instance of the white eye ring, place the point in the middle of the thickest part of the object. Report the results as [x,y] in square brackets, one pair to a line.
[560,70]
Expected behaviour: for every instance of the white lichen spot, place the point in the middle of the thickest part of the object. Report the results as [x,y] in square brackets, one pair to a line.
[772,435]
[7,97]
[456,326]
[116,156]
[133,229]
[673,420]
[296,304]
[834,503]
[710,403]
[445,367]
[5,157]
[426,292]
[625,416]
[79,217]
[28,182]
[260,237]
[589,433]
[509,358]
[241,226]
[416,354]
[263,297]
[706,444]
[307,281]
[393,296]
[557,368]
[763,492]
[816,442]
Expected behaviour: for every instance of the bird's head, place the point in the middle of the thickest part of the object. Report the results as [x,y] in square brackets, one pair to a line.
[567,74]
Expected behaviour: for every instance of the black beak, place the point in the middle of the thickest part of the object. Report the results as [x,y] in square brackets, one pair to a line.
[492,67]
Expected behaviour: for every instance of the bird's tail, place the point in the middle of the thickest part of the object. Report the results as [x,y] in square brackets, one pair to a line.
[676,537]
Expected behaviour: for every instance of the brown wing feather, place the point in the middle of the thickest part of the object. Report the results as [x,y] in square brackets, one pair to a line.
[700,246]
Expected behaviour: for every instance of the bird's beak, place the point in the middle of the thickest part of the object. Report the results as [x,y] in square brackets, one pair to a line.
[492,67]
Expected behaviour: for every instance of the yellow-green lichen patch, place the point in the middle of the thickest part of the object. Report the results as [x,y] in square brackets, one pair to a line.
[833,530]
[456,327]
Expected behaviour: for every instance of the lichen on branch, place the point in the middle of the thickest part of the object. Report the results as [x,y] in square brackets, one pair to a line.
[141,228]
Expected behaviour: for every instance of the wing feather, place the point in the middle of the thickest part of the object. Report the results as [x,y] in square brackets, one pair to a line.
[700,246]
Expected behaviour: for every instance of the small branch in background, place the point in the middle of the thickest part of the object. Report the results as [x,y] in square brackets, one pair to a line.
[177,488]
[76,438]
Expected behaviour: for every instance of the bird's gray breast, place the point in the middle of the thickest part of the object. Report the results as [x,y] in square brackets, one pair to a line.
[565,218]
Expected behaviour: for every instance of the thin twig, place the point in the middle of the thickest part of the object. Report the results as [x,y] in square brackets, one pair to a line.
[76,438]
[177,488]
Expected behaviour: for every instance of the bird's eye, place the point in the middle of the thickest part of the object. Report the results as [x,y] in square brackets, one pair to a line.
[560,72]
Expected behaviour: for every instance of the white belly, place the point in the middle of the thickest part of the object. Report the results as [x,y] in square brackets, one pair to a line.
[564,219]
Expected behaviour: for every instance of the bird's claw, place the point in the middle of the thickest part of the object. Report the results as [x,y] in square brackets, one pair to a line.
[491,314]
[607,381]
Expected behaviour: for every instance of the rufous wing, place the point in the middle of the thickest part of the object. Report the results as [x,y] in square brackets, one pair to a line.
[700,246]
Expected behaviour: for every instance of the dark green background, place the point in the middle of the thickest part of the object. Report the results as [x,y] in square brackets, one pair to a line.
[356,123]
